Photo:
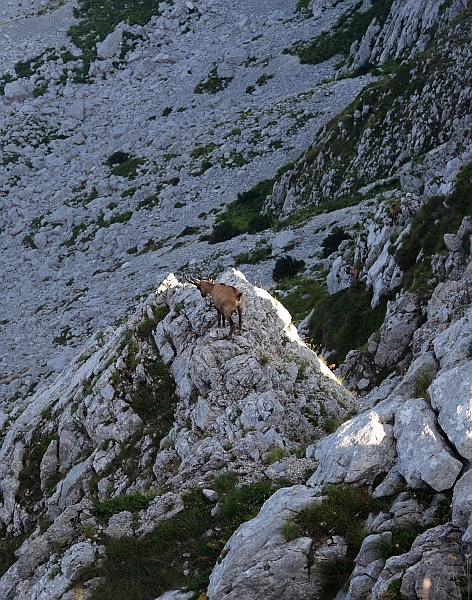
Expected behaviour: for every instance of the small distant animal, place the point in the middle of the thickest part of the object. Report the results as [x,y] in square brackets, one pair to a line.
[226,298]
[394,213]
[353,272]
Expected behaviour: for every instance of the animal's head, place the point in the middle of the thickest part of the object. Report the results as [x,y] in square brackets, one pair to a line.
[199,284]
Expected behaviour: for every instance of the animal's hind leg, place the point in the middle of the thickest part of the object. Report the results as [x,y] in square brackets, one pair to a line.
[231,328]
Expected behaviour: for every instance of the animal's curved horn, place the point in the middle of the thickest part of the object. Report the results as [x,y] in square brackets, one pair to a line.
[191,279]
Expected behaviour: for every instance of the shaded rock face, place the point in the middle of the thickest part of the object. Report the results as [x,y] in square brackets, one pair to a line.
[407,29]
[258,563]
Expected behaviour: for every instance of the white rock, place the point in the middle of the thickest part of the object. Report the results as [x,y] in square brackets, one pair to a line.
[15,91]
[451,396]
[360,449]
[423,454]
[111,45]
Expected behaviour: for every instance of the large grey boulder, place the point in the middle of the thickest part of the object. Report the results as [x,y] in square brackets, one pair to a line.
[16,91]
[451,346]
[359,450]
[434,555]
[111,45]
[397,330]
[423,455]
[451,397]
[462,501]
[258,562]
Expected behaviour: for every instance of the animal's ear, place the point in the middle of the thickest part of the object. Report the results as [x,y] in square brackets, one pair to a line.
[239,295]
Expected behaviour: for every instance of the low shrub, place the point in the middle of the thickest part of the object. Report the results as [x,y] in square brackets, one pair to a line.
[331,242]
[111,506]
[351,26]
[342,513]
[437,216]
[345,320]
[286,266]
[145,568]
[243,215]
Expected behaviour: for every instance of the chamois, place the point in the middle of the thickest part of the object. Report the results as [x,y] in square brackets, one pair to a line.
[226,299]
[353,272]
[394,213]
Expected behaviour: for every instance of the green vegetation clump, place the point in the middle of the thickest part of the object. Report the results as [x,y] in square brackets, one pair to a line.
[286,266]
[345,320]
[244,214]
[350,27]
[30,491]
[153,399]
[340,322]
[437,216]
[189,230]
[123,164]
[111,506]
[8,547]
[331,242]
[343,513]
[387,109]
[145,568]
[98,18]
[402,540]
[213,84]
[301,295]
[255,257]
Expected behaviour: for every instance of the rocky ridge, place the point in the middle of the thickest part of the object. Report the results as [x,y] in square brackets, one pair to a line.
[105,428]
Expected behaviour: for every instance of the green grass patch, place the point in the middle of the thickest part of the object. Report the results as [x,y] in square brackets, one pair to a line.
[402,540]
[155,398]
[98,18]
[351,26]
[437,216]
[255,257]
[303,294]
[189,230]
[111,506]
[331,242]
[64,337]
[145,568]
[345,320]
[285,267]
[213,84]
[243,215]
[343,513]
[8,547]
[29,492]
[199,151]
[128,169]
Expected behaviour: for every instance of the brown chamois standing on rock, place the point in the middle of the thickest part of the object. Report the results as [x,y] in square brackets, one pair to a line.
[353,272]
[394,212]
[226,299]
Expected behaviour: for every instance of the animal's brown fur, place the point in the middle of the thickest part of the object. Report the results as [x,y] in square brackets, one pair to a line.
[394,212]
[353,272]
[226,299]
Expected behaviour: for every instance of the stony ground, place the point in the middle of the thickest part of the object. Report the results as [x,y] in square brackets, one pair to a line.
[80,245]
